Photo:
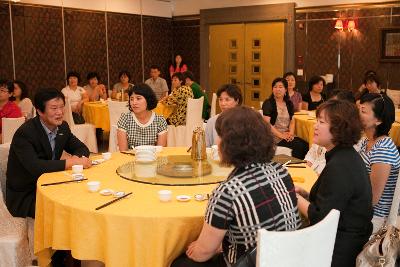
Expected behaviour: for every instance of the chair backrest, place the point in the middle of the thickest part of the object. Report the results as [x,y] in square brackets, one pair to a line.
[113,141]
[4,150]
[68,113]
[394,95]
[10,125]
[213,105]
[116,108]
[281,150]
[194,112]
[309,247]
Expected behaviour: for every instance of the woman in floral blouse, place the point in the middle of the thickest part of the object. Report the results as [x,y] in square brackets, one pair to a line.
[179,98]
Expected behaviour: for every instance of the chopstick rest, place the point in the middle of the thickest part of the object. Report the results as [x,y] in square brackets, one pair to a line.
[113,201]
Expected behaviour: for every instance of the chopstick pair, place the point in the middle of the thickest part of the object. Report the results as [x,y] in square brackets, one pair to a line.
[112,201]
[296,162]
[292,166]
[64,182]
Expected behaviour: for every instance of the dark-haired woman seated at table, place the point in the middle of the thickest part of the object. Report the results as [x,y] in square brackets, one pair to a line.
[246,143]
[343,184]
[94,88]
[379,152]
[20,97]
[278,111]
[314,97]
[141,126]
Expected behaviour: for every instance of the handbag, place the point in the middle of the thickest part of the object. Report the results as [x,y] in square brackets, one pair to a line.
[78,118]
[383,247]
[248,259]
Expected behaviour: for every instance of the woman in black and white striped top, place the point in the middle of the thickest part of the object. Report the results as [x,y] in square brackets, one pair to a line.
[257,194]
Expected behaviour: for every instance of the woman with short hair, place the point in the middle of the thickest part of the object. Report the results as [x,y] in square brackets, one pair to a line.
[121,89]
[294,95]
[141,126]
[258,193]
[179,99]
[76,95]
[314,97]
[229,96]
[343,184]
[94,88]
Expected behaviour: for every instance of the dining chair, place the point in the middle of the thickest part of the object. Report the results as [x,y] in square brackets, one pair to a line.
[213,105]
[10,126]
[86,132]
[14,245]
[183,133]
[304,246]
[115,109]
[395,96]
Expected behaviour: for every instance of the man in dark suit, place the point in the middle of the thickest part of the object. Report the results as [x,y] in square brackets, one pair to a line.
[36,148]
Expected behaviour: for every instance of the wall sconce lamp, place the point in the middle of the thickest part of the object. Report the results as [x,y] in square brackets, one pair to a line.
[349,25]
[339,25]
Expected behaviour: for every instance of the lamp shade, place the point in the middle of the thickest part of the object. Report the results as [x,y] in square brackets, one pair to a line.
[339,24]
[351,25]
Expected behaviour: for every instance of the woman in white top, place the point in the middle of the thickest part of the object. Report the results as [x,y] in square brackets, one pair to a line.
[229,96]
[20,95]
[141,126]
[76,94]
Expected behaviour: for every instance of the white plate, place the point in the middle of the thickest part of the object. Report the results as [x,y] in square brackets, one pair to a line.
[106,192]
[183,198]
[77,176]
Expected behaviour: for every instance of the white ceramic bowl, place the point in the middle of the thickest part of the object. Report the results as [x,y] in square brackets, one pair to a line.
[165,195]
[106,155]
[146,148]
[77,169]
[93,186]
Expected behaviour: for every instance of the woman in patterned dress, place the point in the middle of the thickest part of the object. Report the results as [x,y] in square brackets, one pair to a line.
[258,193]
[141,126]
[178,98]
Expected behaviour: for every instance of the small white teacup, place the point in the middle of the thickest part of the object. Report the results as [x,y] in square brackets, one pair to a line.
[77,169]
[93,186]
[165,195]
[106,155]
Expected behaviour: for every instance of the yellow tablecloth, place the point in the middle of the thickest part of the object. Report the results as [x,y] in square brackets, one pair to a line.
[137,232]
[304,128]
[97,114]
[164,110]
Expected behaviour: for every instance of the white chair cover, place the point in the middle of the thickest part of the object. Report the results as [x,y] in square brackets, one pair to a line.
[213,105]
[86,133]
[308,247]
[113,141]
[281,150]
[115,109]
[395,96]
[182,135]
[10,125]
[14,245]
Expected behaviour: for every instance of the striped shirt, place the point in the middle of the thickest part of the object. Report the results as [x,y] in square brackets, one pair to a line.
[257,196]
[383,151]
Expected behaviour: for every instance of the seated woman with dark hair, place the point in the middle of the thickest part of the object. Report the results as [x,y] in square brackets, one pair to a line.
[141,126]
[372,85]
[294,95]
[248,200]
[121,89]
[278,111]
[343,184]
[229,96]
[8,109]
[314,97]
[94,88]
[76,95]
[379,152]
[178,98]
[20,97]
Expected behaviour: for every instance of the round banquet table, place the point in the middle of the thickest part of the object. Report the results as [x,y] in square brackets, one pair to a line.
[137,231]
[305,121]
[97,114]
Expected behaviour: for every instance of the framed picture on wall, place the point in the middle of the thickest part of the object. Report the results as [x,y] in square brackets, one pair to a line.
[390,44]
